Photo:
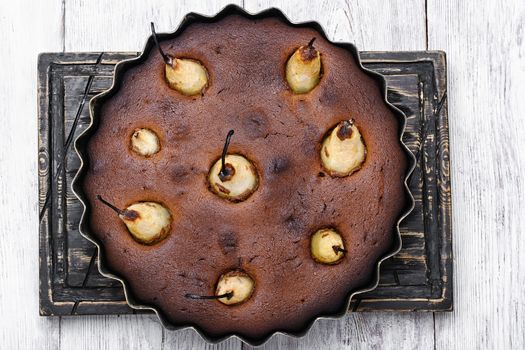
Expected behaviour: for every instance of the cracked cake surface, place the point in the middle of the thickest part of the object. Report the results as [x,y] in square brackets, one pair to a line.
[268,234]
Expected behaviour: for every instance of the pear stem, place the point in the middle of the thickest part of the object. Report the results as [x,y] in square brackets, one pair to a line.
[228,296]
[225,171]
[167,59]
[117,210]
[311,42]
[338,249]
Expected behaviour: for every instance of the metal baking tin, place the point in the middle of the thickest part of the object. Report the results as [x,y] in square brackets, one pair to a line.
[123,66]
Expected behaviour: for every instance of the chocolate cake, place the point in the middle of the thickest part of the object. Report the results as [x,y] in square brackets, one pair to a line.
[266,234]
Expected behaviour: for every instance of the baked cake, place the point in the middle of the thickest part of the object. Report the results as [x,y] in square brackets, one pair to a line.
[298,214]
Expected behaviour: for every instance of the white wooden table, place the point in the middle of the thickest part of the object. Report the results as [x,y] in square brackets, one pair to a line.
[485,45]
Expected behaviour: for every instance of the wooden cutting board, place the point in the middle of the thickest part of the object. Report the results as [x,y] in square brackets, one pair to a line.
[419,278]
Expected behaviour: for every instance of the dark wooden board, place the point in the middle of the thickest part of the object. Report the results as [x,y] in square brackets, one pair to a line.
[419,278]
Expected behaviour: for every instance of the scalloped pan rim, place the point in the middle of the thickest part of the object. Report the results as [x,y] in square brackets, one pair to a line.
[124,65]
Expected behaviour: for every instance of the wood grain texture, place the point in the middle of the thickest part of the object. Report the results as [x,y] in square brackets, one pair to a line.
[486,51]
[110,333]
[382,331]
[123,25]
[189,339]
[38,24]
[375,25]
[485,46]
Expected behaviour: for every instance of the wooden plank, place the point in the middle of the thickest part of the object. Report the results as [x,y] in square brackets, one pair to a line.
[111,332]
[26,28]
[486,50]
[375,25]
[110,26]
[353,21]
[363,331]
[123,25]
[189,339]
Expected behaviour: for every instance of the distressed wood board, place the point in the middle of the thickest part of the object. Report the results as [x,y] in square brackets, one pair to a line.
[419,278]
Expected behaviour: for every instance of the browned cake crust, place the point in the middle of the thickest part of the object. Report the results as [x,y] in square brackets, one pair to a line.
[268,234]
